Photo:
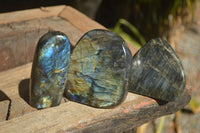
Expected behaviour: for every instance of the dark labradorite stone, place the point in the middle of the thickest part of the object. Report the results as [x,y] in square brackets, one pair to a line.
[157,72]
[49,70]
[99,70]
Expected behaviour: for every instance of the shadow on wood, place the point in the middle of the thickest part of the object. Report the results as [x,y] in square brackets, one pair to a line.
[160,102]
[5,104]
[24,89]
[3,96]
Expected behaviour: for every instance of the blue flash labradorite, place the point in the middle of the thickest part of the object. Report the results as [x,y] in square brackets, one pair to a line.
[157,72]
[49,70]
[99,70]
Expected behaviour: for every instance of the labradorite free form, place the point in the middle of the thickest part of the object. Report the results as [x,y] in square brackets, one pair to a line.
[49,70]
[157,71]
[99,70]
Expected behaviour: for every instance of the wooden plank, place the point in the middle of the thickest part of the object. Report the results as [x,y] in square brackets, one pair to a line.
[79,20]
[59,24]
[17,93]
[30,14]
[26,35]
[4,108]
[71,116]
[20,52]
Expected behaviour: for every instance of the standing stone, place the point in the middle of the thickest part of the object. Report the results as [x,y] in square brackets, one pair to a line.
[99,70]
[49,70]
[157,72]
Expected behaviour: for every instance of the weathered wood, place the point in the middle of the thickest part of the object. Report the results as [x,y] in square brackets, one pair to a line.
[19,16]
[18,48]
[82,22]
[25,34]
[71,116]
[14,91]
[4,106]
[24,29]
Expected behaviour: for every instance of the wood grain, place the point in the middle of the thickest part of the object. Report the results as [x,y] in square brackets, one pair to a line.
[25,36]
[19,16]
[71,116]
[82,22]
[4,106]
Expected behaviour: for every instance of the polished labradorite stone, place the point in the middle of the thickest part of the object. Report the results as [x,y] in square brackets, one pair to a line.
[99,70]
[157,72]
[49,70]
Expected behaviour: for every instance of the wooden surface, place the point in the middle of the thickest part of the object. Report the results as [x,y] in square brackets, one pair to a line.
[19,33]
[4,106]
[71,116]
[19,38]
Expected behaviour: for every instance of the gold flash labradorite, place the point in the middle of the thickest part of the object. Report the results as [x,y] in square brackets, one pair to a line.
[99,70]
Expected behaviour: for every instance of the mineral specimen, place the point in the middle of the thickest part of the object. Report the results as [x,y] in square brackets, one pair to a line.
[49,70]
[99,70]
[157,72]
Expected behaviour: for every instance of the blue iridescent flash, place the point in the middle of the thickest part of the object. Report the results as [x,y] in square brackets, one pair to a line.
[49,70]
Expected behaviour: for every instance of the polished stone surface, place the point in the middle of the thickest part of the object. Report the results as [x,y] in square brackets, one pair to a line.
[99,70]
[49,70]
[157,72]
